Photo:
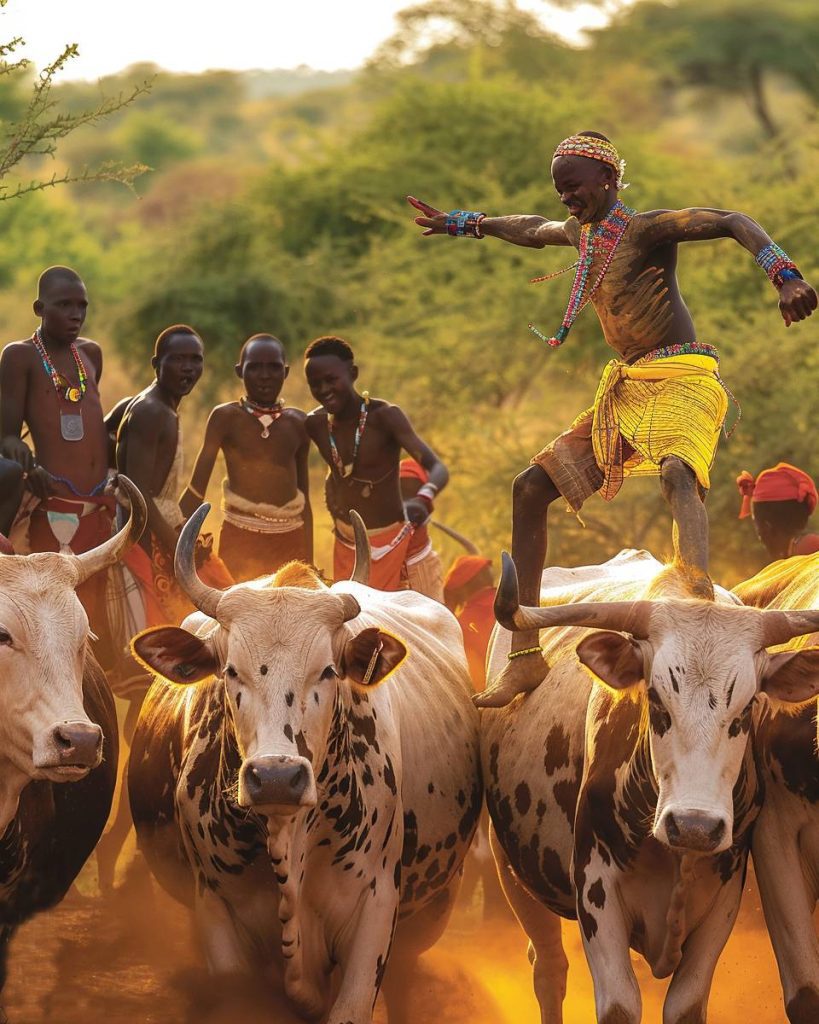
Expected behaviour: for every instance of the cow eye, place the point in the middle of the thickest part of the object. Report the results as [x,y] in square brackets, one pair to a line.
[5,637]
[231,672]
[329,672]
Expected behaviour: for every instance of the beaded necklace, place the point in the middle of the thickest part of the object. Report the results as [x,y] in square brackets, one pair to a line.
[265,414]
[70,392]
[603,240]
[342,469]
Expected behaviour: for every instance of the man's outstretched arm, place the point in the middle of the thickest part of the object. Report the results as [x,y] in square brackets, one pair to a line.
[797,299]
[520,229]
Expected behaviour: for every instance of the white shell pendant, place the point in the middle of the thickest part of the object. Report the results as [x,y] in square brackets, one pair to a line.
[71,427]
[266,419]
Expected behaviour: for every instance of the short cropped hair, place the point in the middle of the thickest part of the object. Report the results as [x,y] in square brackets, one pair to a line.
[160,348]
[53,274]
[262,337]
[330,346]
[596,135]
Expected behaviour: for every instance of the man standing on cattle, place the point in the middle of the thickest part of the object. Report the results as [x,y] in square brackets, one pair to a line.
[660,406]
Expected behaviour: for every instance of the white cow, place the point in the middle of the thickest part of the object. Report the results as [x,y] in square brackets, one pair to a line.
[57,725]
[301,808]
[623,789]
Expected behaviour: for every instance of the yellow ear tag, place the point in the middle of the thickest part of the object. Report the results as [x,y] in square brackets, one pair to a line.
[371,667]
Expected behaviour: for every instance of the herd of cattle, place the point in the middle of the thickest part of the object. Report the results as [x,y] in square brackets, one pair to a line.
[309,770]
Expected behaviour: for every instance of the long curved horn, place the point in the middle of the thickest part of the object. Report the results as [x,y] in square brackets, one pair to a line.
[361,566]
[204,597]
[780,626]
[109,551]
[623,616]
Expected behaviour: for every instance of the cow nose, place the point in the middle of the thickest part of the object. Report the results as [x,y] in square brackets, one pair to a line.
[694,830]
[277,781]
[78,743]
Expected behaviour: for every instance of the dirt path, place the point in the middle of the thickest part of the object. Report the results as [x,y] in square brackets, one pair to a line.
[134,961]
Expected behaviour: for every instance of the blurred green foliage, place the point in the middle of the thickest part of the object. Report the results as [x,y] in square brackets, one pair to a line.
[280,207]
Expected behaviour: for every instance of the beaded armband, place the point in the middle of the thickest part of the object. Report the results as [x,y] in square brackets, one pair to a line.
[464,223]
[777,265]
[426,492]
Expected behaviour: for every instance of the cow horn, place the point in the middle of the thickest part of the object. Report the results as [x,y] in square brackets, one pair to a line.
[780,626]
[623,616]
[361,567]
[109,551]
[465,542]
[204,597]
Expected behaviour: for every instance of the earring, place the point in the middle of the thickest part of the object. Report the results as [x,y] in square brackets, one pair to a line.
[606,187]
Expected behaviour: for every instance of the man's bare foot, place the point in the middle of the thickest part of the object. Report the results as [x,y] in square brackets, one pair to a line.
[520,675]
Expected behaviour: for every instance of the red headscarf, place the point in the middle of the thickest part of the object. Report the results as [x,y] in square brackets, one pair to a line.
[782,483]
[464,569]
[409,469]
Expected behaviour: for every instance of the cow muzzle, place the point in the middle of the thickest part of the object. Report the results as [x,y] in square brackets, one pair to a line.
[277,784]
[694,831]
[72,749]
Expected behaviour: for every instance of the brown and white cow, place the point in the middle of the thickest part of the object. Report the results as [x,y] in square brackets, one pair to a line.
[300,808]
[57,725]
[786,837]
[623,789]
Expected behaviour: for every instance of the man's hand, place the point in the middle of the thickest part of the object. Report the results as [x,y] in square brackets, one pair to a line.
[797,300]
[15,448]
[39,482]
[416,510]
[433,220]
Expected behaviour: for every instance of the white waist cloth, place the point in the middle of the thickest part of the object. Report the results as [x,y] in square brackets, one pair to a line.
[258,517]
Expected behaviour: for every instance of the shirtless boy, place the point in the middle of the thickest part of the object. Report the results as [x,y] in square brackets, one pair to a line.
[50,382]
[660,406]
[268,520]
[361,439]
[149,451]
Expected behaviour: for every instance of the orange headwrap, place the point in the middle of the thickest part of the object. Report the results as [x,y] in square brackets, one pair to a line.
[409,469]
[782,483]
[464,569]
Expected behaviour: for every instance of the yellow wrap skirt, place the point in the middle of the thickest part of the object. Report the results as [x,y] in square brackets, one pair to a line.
[643,413]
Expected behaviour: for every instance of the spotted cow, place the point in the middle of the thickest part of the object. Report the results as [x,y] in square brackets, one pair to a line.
[623,789]
[302,809]
[786,838]
[58,727]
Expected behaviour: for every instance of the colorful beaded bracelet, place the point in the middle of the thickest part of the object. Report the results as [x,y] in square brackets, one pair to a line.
[527,650]
[464,223]
[777,264]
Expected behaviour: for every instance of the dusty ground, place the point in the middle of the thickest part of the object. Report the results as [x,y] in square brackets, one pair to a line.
[132,960]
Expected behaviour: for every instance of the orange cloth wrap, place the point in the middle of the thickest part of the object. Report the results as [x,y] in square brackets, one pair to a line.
[389,554]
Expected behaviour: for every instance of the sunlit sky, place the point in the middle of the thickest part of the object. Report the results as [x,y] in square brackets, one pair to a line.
[195,35]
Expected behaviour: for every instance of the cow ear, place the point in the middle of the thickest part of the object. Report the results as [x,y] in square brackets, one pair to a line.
[174,653]
[792,676]
[371,655]
[615,659]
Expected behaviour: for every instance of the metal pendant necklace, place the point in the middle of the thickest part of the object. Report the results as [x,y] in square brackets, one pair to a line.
[345,469]
[71,425]
[265,414]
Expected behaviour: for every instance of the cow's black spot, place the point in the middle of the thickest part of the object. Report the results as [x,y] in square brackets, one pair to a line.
[597,894]
[238,699]
[557,749]
[289,698]
[288,731]
[674,684]
[263,669]
[410,850]
[523,798]
[712,702]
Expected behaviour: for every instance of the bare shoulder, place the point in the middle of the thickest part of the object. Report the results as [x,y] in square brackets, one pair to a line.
[18,354]
[298,418]
[315,420]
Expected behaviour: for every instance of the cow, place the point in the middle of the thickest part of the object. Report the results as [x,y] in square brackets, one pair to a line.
[623,789]
[57,726]
[785,847]
[299,800]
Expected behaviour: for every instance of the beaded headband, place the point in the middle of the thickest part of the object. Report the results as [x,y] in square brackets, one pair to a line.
[594,149]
